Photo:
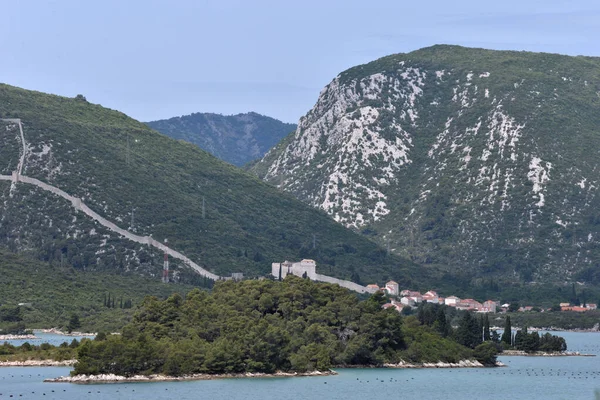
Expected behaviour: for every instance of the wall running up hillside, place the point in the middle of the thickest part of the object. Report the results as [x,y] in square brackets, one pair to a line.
[79,205]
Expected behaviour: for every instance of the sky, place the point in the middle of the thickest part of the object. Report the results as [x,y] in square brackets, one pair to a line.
[158,59]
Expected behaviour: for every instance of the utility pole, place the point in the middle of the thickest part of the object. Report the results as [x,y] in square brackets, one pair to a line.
[165,277]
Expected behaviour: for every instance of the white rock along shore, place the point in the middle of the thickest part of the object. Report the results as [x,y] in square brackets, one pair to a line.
[440,364]
[17,337]
[112,378]
[544,354]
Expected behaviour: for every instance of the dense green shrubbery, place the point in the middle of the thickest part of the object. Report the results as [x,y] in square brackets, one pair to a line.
[265,326]
[260,326]
[532,342]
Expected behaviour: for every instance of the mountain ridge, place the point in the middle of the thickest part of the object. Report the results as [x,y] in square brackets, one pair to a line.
[468,159]
[237,138]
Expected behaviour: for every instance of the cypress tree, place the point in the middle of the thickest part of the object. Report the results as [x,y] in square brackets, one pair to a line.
[507,334]
[486,328]
[441,324]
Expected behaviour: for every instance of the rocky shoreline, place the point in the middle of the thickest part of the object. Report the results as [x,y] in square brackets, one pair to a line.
[440,364]
[112,378]
[56,331]
[38,363]
[522,353]
[18,337]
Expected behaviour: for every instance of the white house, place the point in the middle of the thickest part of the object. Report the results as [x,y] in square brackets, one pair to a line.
[407,301]
[431,297]
[392,288]
[451,301]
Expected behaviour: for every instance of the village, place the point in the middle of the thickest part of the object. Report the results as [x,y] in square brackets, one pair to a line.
[401,299]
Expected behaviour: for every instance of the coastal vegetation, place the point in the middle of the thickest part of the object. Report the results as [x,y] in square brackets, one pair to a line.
[44,351]
[267,326]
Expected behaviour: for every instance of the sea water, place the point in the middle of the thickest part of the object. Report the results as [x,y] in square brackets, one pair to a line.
[547,378]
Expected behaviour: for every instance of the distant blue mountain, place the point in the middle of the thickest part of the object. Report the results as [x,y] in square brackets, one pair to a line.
[237,139]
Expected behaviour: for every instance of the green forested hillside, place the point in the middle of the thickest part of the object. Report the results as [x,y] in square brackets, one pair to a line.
[220,217]
[50,294]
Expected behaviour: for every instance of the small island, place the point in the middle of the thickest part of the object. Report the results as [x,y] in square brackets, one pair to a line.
[264,328]
[295,327]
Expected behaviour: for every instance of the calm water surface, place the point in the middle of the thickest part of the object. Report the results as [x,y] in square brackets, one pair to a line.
[525,378]
[51,338]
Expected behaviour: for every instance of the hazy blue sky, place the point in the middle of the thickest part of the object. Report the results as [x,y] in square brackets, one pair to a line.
[156,59]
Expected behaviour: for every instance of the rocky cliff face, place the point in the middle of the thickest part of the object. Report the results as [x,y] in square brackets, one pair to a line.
[482,162]
[237,139]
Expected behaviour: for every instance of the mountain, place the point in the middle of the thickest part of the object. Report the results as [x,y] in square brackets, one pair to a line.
[99,191]
[237,139]
[482,163]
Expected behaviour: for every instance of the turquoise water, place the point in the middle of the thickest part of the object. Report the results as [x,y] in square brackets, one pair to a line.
[525,378]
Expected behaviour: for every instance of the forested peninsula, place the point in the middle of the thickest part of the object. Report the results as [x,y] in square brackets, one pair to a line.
[268,326]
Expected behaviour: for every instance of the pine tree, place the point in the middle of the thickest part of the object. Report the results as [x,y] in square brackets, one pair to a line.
[486,328]
[468,332]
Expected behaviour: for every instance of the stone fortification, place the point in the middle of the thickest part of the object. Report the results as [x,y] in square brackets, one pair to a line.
[308,268]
